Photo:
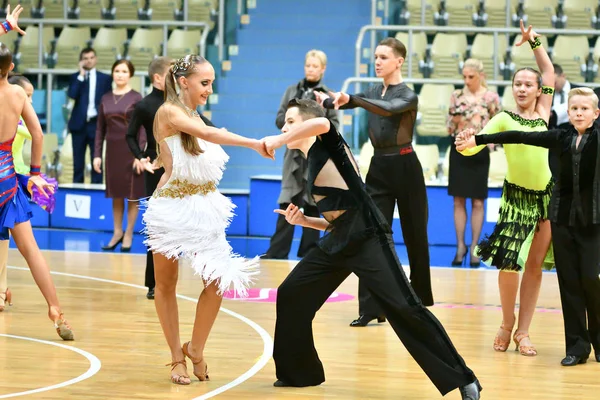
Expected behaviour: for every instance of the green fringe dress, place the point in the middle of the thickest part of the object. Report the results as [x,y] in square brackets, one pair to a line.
[525,197]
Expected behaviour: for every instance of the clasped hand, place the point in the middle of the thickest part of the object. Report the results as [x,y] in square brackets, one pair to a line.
[465,139]
[293,215]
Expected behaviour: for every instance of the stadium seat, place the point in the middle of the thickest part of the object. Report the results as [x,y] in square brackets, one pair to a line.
[579,13]
[522,56]
[29,46]
[163,10]
[183,42]
[69,44]
[108,44]
[483,50]
[571,52]
[418,50]
[460,12]
[447,52]
[145,45]
[434,101]
[414,8]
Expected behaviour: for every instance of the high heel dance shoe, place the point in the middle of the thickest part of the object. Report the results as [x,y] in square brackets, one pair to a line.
[177,379]
[472,391]
[5,298]
[61,325]
[528,351]
[499,343]
[460,260]
[364,320]
[201,363]
[114,246]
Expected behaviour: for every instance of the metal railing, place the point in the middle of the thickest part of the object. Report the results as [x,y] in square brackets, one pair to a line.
[49,73]
[473,30]
[456,82]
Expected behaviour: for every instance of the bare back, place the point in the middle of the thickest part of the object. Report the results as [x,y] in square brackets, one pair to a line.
[12,108]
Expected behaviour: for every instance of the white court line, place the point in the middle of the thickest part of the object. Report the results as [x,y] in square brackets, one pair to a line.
[95,365]
[266,338]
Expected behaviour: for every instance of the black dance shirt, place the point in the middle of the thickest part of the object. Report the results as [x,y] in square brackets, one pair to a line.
[575,200]
[392,117]
[340,194]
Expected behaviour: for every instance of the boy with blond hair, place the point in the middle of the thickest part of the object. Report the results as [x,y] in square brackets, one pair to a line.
[575,215]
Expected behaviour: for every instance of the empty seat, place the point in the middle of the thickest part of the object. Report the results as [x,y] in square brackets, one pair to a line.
[200,11]
[579,13]
[127,9]
[522,56]
[483,49]
[29,46]
[163,10]
[434,101]
[496,12]
[69,44]
[145,45]
[414,8]
[540,12]
[183,42]
[571,52]
[53,8]
[447,52]
[90,9]
[460,12]
[419,45]
[108,44]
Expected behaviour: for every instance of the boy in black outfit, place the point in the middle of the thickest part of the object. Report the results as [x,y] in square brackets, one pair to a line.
[358,240]
[575,215]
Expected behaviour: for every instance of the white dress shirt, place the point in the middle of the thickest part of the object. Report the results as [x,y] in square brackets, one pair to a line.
[91,75]
[560,105]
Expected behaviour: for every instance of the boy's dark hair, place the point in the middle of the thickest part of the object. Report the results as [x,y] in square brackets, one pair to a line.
[397,46]
[86,50]
[5,60]
[558,69]
[307,108]
[158,66]
[18,79]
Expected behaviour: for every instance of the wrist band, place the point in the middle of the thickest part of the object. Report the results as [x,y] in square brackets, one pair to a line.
[7,26]
[535,43]
[547,90]
[35,170]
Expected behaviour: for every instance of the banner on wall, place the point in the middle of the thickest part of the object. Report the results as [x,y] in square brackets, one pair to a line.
[77,206]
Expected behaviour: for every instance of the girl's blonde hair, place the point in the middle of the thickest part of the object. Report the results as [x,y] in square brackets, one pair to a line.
[476,65]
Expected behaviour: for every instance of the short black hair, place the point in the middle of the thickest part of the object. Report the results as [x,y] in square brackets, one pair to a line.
[558,69]
[307,108]
[86,50]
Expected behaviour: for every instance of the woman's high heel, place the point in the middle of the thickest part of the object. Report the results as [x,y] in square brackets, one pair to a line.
[5,298]
[460,260]
[203,376]
[176,378]
[114,246]
[501,344]
[528,351]
[61,325]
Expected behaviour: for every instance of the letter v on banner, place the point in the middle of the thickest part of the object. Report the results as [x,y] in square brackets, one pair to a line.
[77,206]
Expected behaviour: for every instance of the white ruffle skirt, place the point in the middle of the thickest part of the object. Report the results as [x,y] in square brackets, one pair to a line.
[193,228]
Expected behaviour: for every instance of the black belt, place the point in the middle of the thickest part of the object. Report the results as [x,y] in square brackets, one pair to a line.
[391,151]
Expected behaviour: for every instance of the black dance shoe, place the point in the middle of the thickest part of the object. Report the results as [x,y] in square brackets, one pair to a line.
[570,361]
[150,294]
[114,246]
[364,320]
[472,391]
[279,383]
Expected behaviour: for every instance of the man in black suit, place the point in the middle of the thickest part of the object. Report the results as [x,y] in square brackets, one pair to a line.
[86,87]
[559,117]
[143,115]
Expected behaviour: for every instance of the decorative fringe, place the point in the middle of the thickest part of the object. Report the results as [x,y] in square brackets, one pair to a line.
[521,210]
[206,167]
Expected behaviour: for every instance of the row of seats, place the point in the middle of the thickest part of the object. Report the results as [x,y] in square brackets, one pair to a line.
[444,56]
[155,10]
[571,14]
[109,43]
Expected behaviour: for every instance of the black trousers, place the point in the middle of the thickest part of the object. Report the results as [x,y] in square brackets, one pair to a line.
[577,256]
[82,139]
[375,262]
[281,241]
[151,182]
[398,179]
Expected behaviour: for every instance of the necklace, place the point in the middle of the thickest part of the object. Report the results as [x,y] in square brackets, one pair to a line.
[193,113]
[119,99]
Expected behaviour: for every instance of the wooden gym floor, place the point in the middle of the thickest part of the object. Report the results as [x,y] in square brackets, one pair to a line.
[120,352]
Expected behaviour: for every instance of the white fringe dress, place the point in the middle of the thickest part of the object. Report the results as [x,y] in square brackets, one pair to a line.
[187,218]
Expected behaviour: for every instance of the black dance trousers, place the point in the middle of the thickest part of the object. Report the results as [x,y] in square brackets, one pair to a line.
[375,262]
[281,241]
[577,257]
[398,179]
[150,183]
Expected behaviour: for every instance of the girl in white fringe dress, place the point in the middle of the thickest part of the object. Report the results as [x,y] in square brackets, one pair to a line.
[186,217]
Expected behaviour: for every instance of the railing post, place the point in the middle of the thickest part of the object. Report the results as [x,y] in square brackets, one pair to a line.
[221,30]
[40,51]
[165,39]
[49,102]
